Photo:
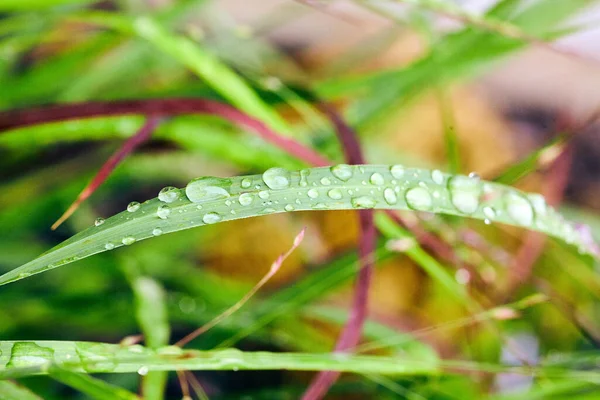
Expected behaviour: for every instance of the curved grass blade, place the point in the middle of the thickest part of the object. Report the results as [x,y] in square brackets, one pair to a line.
[212,200]
[25,358]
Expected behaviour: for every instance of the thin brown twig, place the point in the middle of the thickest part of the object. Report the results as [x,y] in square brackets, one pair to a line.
[272,271]
[141,136]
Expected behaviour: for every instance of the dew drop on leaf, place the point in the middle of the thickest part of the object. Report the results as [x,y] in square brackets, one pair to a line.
[313,193]
[109,246]
[168,194]
[437,176]
[157,232]
[397,171]
[211,218]
[464,193]
[207,188]
[518,208]
[245,199]
[363,202]
[127,240]
[342,171]
[376,179]
[133,206]
[418,198]
[335,194]
[390,196]
[99,221]
[163,211]
[277,178]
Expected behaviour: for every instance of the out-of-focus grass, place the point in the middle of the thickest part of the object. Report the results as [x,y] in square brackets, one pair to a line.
[49,53]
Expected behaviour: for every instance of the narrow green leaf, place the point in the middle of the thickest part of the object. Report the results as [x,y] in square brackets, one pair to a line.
[11,391]
[22,5]
[92,387]
[26,358]
[212,200]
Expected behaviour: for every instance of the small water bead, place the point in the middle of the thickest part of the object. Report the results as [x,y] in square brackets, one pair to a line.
[133,206]
[99,221]
[143,371]
[377,179]
[263,194]
[207,188]
[539,203]
[390,196]
[437,176]
[474,175]
[267,210]
[304,177]
[489,213]
[109,246]
[342,171]
[325,181]
[319,206]
[335,194]
[518,208]
[418,198]
[277,178]
[211,218]
[157,232]
[363,202]
[397,171]
[289,207]
[163,211]
[128,240]
[313,193]
[245,199]
[246,183]
[168,194]
[465,193]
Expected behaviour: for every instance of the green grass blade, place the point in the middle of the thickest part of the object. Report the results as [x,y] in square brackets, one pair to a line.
[212,200]
[29,5]
[92,387]
[26,358]
[12,391]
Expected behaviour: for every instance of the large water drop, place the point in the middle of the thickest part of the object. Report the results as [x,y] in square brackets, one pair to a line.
[207,188]
[363,202]
[342,171]
[168,194]
[133,206]
[465,193]
[397,171]
[277,178]
[211,218]
[163,211]
[518,209]
[418,198]
[245,199]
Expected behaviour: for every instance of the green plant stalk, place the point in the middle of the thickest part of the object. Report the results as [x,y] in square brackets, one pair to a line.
[341,187]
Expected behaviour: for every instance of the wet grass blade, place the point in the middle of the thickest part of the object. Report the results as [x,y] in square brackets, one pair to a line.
[212,200]
[27,358]
[93,387]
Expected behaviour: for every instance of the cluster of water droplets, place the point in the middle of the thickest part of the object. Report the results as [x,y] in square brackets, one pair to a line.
[359,187]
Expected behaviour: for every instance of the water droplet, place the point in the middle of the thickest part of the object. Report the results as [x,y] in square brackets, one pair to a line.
[246,183]
[377,179]
[157,232]
[304,177]
[474,175]
[163,211]
[289,207]
[267,210]
[487,221]
[313,193]
[390,196]
[133,206]
[363,202]
[489,213]
[143,371]
[99,221]
[437,176]
[168,194]
[277,178]
[397,171]
[109,246]
[263,194]
[518,208]
[245,199]
[207,188]
[342,171]
[335,194]
[325,181]
[539,203]
[465,193]
[211,218]
[127,240]
[419,198]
